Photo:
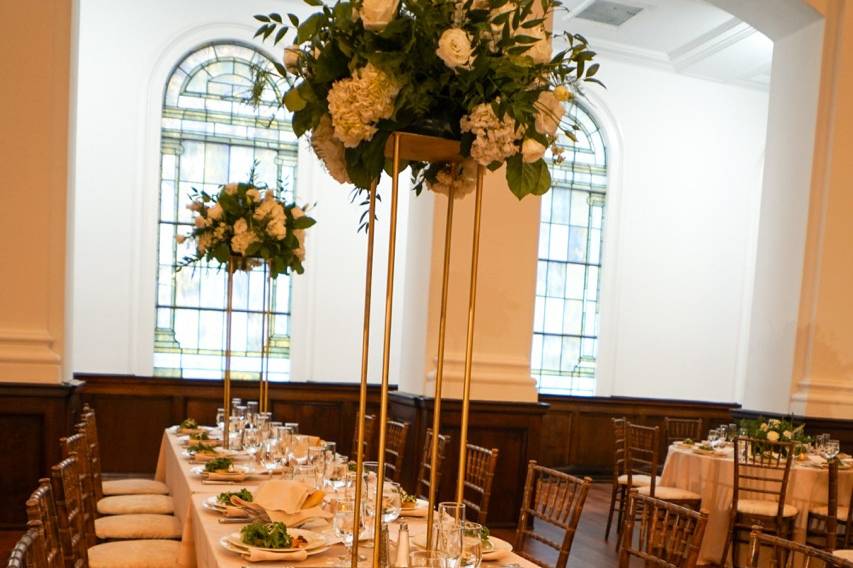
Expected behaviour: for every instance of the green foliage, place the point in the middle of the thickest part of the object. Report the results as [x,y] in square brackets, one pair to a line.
[189,424]
[201,447]
[218,465]
[266,535]
[225,497]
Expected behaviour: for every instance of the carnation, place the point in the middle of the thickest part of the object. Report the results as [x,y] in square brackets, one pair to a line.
[330,150]
[496,139]
[276,229]
[241,226]
[356,104]
[254,195]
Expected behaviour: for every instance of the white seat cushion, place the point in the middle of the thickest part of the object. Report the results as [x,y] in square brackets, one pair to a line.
[638,480]
[841,513]
[136,504]
[846,554]
[135,554]
[137,526]
[764,508]
[134,487]
[670,493]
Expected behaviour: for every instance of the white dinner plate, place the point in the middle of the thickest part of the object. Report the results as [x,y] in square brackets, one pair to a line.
[315,541]
[495,550]
[227,545]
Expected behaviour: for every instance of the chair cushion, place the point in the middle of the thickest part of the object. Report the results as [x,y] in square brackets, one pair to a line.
[135,554]
[136,504]
[137,526]
[764,508]
[134,487]
[670,493]
[840,514]
[846,554]
[637,480]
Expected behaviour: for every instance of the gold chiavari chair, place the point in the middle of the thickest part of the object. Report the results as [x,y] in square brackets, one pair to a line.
[554,498]
[680,429]
[822,530]
[369,430]
[761,472]
[642,458]
[783,553]
[41,509]
[77,445]
[620,485]
[396,434]
[670,535]
[30,550]
[422,489]
[480,464]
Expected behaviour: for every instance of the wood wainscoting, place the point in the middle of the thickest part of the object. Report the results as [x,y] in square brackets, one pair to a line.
[32,419]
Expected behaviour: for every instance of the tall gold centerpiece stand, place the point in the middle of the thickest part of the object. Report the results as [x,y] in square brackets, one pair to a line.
[234,264]
[403,146]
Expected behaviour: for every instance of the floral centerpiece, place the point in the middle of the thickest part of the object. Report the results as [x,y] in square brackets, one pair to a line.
[479,71]
[247,225]
[776,430]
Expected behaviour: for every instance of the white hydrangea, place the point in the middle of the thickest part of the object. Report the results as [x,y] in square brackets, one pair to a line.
[356,104]
[330,150]
[461,177]
[496,139]
[241,242]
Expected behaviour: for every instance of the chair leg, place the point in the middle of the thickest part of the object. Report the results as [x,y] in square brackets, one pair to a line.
[613,495]
[728,544]
[620,518]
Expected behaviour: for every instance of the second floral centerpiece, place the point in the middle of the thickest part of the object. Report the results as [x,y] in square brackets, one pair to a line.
[488,73]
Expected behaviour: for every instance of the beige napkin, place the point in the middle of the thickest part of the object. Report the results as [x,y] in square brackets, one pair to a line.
[255,555]
[226,476]
[416,512]
[235,512]
[299,518]
[283,499]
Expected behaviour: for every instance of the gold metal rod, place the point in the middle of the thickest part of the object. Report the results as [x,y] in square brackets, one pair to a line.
[469,339]
[386,353]
[262,398]
[226,421]
[365,352]
[439,367]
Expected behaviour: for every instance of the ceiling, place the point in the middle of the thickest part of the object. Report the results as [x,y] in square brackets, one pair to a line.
[692,37]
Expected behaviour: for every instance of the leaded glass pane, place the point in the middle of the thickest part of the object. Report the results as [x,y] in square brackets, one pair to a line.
[211,136]
[565,327]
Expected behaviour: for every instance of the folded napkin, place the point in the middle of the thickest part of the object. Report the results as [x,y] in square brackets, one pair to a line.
[285,501]
[235,512]
[416,512]
[301,517]
[226,476]
[255,555]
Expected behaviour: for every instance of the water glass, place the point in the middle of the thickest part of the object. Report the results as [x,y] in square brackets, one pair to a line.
[831,449]
[271,456]
[220,418]
[251,441]
[305,473]
[294,426]
[428,559]
[451,511]
[713,436]
[447,538]
[251,411]
[472,545]
[343,523]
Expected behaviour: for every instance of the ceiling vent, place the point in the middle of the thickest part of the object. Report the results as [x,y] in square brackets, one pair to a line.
[608,12]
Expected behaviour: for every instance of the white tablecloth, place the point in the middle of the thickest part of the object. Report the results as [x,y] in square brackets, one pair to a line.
[712,478]
[202,529]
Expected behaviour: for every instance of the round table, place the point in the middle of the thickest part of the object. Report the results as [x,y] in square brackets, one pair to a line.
[711,476]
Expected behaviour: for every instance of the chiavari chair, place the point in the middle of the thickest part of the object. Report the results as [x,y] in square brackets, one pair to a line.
[119,526]
[480,464]
[41,509]
[422,489]
[395,448]
[130,486]
[554,498]
[784,553]
[369,429]
[680,429]
[30,550]
[822,530]
[620,485]
[761,472]
[670,535]
[642,445]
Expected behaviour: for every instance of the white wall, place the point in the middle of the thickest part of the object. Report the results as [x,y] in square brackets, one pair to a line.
[784,212]
[680,231]
[126,52]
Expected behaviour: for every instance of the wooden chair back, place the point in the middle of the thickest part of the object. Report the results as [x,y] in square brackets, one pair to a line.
[480,464]
[554,498]
[65,481]
[89,426]
[41,509]
[670,535]
[422,489]
[78,445]
[620,426]
[761,471]
[396,434]
[784,553]
[369,430]
[29,551]
[642,445]
[679,429]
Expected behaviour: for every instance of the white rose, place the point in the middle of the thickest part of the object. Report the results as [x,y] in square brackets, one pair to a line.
[215,212]
[531,150]
[291,58]
[376,14]
[254,195]
[773,436]
[787,434]
[231,188]
[276,230]
[764,427]
[241,226]
[180,239]
[774,421]
[454,48]
[549,113]
[540,51]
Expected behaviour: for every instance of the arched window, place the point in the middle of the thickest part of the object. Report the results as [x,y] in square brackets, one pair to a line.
[565,329]
[211,136]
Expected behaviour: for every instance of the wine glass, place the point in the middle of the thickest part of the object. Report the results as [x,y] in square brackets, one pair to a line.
[472,545]
[304,473]
[271,456]
[713,436]
[831,449]
[220,418]
[344,525]
[294,426]
[251,441]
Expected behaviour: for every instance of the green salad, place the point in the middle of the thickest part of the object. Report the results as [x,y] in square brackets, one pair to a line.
[189,424]
[225,498]
[219,464]
[200,436]
[266,535]
[200,447]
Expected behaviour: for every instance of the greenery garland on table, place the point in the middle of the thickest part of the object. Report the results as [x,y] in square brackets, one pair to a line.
[480,71]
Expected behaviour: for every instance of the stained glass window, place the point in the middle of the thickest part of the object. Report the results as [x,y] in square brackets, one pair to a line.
[565,329]
[211,136]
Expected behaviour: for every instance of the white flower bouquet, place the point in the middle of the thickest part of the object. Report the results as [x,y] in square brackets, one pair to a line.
[242,224]
[478,71]
[776,430]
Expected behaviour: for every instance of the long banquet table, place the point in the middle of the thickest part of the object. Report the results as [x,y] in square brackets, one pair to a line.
[202,530]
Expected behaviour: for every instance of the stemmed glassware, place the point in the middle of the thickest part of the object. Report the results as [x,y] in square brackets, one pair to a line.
[831,449]
[251,441]
[271,456]
[344,525]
